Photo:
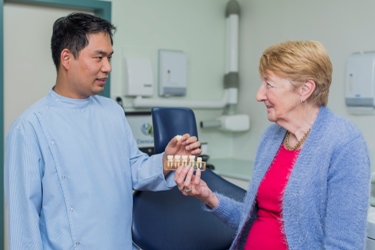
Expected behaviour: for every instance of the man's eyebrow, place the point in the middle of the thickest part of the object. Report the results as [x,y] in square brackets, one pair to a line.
[103,53]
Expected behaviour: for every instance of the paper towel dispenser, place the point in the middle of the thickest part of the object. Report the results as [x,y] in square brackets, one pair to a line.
[172,73]
[360,84]
[138,77]
[360,80]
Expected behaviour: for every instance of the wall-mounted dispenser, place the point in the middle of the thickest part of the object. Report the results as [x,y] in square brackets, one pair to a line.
[138,77]
[360,83]
[172,73]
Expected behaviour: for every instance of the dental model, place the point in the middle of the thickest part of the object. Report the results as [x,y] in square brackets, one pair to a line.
[173,162]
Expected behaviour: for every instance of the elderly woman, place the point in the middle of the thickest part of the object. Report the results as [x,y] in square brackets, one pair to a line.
[311,179]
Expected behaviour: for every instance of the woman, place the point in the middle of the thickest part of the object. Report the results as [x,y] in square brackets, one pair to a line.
[311,179]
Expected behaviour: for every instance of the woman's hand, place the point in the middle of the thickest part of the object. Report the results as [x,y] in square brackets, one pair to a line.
[192,185]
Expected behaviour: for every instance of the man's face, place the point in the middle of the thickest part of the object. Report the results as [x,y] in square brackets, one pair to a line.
[89,71]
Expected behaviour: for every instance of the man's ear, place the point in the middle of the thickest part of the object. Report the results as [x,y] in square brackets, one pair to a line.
[65,58]
[307,89]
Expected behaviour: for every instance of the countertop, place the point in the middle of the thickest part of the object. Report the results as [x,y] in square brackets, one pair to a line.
[234,168]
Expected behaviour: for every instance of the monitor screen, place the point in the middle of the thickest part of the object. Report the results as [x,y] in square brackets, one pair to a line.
[141,125]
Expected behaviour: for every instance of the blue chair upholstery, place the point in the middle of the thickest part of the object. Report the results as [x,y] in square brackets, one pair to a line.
[168,122]
[168,220]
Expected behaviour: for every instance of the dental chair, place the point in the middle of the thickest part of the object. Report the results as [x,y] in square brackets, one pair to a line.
[168,220]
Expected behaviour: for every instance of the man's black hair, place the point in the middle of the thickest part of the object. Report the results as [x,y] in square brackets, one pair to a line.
[71,32]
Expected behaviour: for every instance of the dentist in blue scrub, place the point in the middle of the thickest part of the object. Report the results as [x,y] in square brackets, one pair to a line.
[71,162]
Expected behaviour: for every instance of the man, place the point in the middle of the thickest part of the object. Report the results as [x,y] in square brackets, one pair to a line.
[71,161]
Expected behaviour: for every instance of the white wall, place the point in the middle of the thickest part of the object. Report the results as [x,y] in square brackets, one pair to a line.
[343,27]
[196,27]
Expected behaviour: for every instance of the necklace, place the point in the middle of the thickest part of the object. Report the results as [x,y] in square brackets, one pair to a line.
[299,143]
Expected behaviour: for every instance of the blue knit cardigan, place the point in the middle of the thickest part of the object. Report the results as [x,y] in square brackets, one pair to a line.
[327,196]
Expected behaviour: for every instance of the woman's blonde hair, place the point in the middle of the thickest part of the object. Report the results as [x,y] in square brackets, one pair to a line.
[300,61]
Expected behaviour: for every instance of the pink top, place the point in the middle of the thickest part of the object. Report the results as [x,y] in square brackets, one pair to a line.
[267,230]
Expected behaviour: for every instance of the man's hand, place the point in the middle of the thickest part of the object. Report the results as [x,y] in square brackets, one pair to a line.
[182,145]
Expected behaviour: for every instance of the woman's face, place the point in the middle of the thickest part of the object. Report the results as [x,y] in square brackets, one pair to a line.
[280,97]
